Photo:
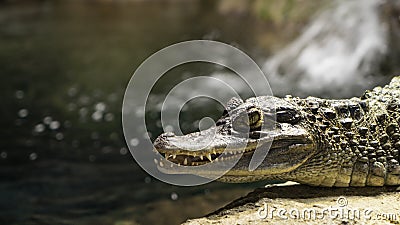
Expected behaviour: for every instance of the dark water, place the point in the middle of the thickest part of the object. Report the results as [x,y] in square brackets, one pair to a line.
[64,66]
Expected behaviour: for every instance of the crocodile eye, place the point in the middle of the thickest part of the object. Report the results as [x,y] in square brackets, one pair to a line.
[250,120]
[255,118]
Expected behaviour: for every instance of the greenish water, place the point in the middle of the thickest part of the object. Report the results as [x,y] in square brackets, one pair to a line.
[64,66]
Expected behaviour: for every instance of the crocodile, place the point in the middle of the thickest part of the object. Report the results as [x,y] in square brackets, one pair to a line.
[319,142]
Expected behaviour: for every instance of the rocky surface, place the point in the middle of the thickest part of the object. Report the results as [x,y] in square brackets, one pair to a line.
[292,203]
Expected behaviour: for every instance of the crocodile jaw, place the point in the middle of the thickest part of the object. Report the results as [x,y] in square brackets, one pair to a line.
[290,147]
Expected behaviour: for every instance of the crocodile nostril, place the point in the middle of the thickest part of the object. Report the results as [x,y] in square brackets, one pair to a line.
[161,141]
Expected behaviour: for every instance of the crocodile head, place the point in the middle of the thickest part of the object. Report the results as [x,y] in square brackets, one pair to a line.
[267,124]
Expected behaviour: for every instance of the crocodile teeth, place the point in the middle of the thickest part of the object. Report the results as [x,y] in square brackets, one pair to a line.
[209,157]
[173,156]
[167,155]
[201,157]
[161,164]
[185,162]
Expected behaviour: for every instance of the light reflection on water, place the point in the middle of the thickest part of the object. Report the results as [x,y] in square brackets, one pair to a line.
[64,68]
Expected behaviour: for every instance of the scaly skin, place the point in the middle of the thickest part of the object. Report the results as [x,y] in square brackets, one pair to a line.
[320,142]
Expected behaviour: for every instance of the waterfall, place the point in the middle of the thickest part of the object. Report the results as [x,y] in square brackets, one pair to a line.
[334,55]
